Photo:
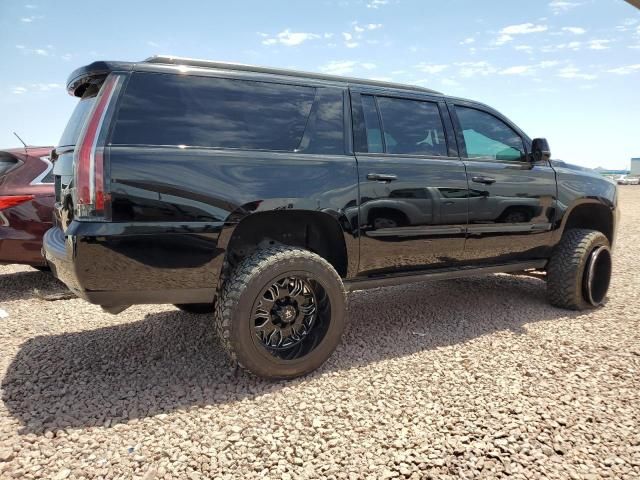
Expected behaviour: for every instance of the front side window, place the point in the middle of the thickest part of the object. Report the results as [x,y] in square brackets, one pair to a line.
[412,127]
[166,109]
[486,136]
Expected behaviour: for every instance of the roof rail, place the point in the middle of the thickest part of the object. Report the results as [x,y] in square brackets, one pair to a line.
[193,62]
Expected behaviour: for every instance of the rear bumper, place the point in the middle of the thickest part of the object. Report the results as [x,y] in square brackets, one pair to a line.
[26,252]
[122,264]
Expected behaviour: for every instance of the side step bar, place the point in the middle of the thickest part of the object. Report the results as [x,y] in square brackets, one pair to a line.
[439,274]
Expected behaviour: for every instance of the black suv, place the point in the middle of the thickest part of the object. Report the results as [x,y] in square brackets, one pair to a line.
[274,191]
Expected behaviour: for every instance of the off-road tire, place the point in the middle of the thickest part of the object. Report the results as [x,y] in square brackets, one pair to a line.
[238,292]
[566,269]
[195,308]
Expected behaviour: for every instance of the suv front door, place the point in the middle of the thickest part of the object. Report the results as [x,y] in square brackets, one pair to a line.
[512,200]
[413,189]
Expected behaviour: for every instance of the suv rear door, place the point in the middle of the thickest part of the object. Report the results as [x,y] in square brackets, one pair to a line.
[513,200]
[407,156]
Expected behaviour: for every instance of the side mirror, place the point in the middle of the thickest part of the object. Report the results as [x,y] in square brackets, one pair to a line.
[540,150]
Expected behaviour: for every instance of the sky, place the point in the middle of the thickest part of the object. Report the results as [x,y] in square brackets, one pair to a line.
[567,70]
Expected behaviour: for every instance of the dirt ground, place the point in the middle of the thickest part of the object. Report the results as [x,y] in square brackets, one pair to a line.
[457,379]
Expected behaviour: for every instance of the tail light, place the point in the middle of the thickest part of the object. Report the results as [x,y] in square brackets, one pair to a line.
[91,198]
[14,200]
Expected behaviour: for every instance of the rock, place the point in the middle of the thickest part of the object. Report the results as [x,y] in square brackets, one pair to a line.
[6,455]
[62,474]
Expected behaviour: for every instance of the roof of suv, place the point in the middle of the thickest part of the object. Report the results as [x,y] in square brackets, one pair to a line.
[193,62]
[104,67]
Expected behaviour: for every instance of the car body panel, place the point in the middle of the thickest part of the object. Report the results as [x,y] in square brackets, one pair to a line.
[174,209]
[23,226]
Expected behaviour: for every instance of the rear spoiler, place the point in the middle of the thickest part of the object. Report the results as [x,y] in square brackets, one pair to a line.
[95,72]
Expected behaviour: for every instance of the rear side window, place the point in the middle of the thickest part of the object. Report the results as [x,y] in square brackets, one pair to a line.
[372,124]
[164,109]
[486,136]
[412,127]
[324,133]
[7,163]
[78,117]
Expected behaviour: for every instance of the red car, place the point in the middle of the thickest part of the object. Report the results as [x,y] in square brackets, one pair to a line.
[26,204]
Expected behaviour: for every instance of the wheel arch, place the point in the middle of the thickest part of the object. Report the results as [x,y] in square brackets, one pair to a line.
[591,214]
[318,231]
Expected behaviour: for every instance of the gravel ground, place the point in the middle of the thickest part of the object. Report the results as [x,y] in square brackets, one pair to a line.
[468,378]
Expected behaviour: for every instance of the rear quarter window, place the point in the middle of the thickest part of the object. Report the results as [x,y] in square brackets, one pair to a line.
[167,109]
[77,119]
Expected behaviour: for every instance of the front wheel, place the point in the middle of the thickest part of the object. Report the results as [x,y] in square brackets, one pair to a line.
[281,312]
[579,270]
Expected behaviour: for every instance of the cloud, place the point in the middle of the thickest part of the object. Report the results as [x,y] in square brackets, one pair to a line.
[627,24]
[343,67]
[524,48]
[36,87]
[626,70]
[30,7]
[574,45]
[348,40]
[377,3]
[517,70]
[600,44]
[431,68]
[562,6]
[369,26]
[353,39]
[574,30]
[507,33]
[337,67]
[572,72]
[28,19]
[41,51]
[472,69]
[523,28]
[288,38]
[151,43]
[528,69]
[467,41]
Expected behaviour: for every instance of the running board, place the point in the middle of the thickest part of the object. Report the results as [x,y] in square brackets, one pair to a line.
[439,274]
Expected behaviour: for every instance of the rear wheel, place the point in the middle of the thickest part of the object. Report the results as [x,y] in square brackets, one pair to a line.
[281,312]
[579,270]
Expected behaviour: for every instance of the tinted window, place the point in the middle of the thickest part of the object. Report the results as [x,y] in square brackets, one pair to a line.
[7,163]
[372,124]
[76,122]
[412,127]
[159,109]
[485,136]
[325,129]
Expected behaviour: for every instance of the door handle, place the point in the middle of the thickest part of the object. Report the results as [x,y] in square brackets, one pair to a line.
[382,177]
[484,180]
